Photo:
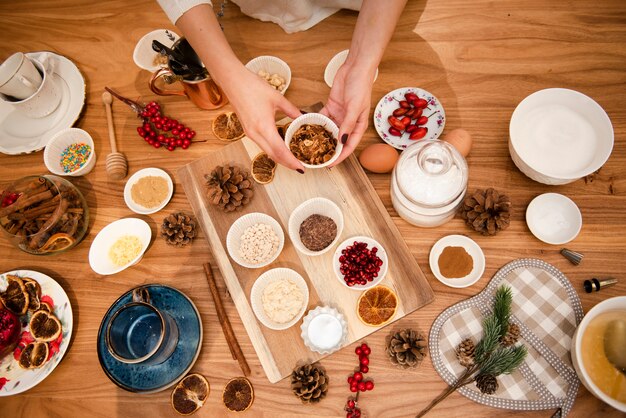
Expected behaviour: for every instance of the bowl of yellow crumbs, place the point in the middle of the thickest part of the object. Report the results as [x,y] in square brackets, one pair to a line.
[119,245]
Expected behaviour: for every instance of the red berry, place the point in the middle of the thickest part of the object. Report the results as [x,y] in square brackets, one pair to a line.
[404,104]
[354,388]
[186,142]
[351,404]
[175,132]
[365,361]
[400,111]
[410,96]
[170,148]
[367,351]
[369,385]
[361,386]
[179,142]
[364,368]
[187,130]
[180,127]
[191,134]
[158,125]
[405,121]
[358,376]
[365,346]
[157,145]
[419,133]
[358,349]
[182,135]
[350,379]
[423,120]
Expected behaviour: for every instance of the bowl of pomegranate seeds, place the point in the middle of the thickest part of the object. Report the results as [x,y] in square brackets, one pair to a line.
[360,263]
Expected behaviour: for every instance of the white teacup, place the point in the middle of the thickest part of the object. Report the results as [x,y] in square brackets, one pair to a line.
[19,77]
[46,97]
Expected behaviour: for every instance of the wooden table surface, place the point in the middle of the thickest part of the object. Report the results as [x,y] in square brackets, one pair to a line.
[479,57]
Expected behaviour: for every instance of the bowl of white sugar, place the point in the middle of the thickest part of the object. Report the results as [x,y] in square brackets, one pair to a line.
[558,136]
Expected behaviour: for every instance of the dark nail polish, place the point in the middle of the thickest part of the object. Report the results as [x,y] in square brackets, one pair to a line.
[344,139]
[301,171]
[304,112]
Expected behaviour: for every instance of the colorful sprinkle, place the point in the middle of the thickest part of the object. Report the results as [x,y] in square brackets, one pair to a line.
[74,157]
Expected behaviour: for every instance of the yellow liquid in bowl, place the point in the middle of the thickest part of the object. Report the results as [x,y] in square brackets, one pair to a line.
[605,376]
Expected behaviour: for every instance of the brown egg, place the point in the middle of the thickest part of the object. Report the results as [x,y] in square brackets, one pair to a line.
[459,139]
[379,158]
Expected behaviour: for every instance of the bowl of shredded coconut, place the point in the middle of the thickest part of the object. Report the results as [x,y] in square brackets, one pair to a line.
[279,298]
[119,245]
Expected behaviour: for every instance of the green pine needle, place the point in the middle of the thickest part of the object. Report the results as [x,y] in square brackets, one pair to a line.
[503,360]
[491,337]
[502,308]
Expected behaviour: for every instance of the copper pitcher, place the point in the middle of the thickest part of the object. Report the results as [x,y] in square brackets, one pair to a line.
[204,93]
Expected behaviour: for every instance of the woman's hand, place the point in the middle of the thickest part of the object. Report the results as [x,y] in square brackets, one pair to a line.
[256,104]
[349,106]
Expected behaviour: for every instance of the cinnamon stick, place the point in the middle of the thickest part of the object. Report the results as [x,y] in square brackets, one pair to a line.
[231,339]
[23,203]
[35,241]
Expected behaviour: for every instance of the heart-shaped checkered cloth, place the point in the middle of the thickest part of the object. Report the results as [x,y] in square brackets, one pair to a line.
[547,310]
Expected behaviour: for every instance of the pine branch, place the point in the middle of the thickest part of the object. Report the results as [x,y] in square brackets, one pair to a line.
[502,308]
[503,360]
[491,337]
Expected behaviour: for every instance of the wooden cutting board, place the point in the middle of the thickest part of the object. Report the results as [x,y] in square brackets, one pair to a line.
[364,214]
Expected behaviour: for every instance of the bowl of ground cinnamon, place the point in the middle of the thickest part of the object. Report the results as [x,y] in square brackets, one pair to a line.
[457,261]
[148,191]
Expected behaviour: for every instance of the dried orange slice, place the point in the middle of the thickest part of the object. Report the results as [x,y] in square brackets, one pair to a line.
[376,306]
[190,394]
[227,127]
[34,293]
[238,394]
[45,306]
[57,242]
[34,355]
[15,298]
[263,168]
[44,326]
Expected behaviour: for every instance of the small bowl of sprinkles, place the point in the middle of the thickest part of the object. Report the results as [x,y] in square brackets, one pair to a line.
[70,152]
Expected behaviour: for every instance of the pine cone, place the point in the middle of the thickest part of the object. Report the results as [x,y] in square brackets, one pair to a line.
[406,348]
[487,383]
[309,383]
[178,229]
[465,352]
[229,187]
[511,336]
[487,211]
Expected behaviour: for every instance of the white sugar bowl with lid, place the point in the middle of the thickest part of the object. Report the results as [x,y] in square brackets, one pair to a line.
[428,183]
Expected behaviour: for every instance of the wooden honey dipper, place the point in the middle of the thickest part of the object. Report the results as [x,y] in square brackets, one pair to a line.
[116,164]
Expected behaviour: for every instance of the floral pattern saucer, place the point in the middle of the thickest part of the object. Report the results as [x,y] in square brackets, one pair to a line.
[14,379]
[389,102]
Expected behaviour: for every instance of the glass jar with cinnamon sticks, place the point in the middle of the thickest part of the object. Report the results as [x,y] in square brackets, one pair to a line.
[43,214]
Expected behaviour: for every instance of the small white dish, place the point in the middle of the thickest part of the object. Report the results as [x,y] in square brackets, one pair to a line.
[59,142]
[144,56]
[613,304]
[553,218]
[272,65]
[371,243]
[472,248]
[99,251]
[315,206]
[20,134]
[557,136]
[136,207]
[334,64]
[264,280]
[390,102]
[315,119]
[233,238]
[325,321]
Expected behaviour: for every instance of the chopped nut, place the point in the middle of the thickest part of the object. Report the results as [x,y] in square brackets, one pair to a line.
[313,144]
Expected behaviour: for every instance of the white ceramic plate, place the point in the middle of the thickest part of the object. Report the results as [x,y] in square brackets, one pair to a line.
[472,248]
[136,207]
[265,279]
[390,102]
[334,64]
[233,238]
[315,206]
[553,218]
[371,243]
[14,379]
[22,135]
[558,136]
[99,251]
[144,55]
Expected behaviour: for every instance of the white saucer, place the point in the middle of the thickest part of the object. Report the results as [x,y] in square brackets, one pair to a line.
[472,248]
[553,218]
[22,135]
